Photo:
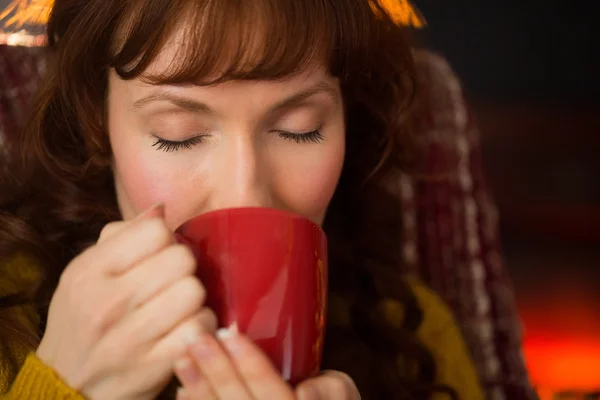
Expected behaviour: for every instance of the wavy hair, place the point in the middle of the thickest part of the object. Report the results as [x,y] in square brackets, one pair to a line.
[61,189]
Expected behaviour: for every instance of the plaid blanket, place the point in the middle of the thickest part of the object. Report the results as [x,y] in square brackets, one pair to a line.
[451,237]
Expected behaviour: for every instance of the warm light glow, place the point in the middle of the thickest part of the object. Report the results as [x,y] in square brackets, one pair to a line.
[564,363]
[562,341]
[33,12]
[22,39]
[403,12]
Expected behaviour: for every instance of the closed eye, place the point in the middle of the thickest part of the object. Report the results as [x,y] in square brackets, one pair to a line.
[174,145]
[306,137]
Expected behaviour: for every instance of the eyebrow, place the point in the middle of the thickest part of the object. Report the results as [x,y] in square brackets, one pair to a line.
[202,108]
[179,101]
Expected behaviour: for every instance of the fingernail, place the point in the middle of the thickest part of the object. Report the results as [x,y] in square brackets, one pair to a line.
[226,333]
[157,210]
[182,394]
[186,371]
[229,338]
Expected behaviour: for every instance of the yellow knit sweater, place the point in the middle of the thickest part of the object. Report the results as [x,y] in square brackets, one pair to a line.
[35,381]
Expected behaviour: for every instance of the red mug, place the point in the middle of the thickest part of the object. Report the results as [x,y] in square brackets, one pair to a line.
[265,270]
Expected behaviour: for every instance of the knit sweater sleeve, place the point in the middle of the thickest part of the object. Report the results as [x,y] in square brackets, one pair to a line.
[36,381]
[22,375]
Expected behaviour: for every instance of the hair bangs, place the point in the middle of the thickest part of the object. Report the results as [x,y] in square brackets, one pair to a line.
[212,41]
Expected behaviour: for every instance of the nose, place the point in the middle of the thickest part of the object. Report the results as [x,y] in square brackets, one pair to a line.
[242,176]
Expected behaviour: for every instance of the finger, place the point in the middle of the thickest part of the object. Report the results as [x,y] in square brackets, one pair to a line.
[165,311]
[216,367]
[195,385]
[175,344]
[129,246]
[256,370]
[167,267]
[156,211]
[110,229]
[332,384]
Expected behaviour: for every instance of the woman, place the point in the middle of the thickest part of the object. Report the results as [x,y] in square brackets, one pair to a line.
[153,112]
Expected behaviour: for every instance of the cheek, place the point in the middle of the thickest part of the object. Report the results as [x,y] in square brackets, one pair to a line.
[308,184]
[142,183]
[142,180]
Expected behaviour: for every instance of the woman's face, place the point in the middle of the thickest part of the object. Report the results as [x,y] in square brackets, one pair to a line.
[273,144]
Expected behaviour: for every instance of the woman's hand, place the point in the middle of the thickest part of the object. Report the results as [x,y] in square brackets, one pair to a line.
[124,312]
[233,368]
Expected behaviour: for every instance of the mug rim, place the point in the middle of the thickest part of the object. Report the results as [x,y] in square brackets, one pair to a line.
[256,210]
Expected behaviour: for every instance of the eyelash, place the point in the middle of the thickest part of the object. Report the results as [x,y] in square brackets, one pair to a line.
[307,137]
[173,145]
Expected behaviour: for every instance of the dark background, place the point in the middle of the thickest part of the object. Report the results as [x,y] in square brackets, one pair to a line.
[530,70]
[519,50]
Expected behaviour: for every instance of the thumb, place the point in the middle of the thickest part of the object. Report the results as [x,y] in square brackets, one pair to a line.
[330,385]
[308,391]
